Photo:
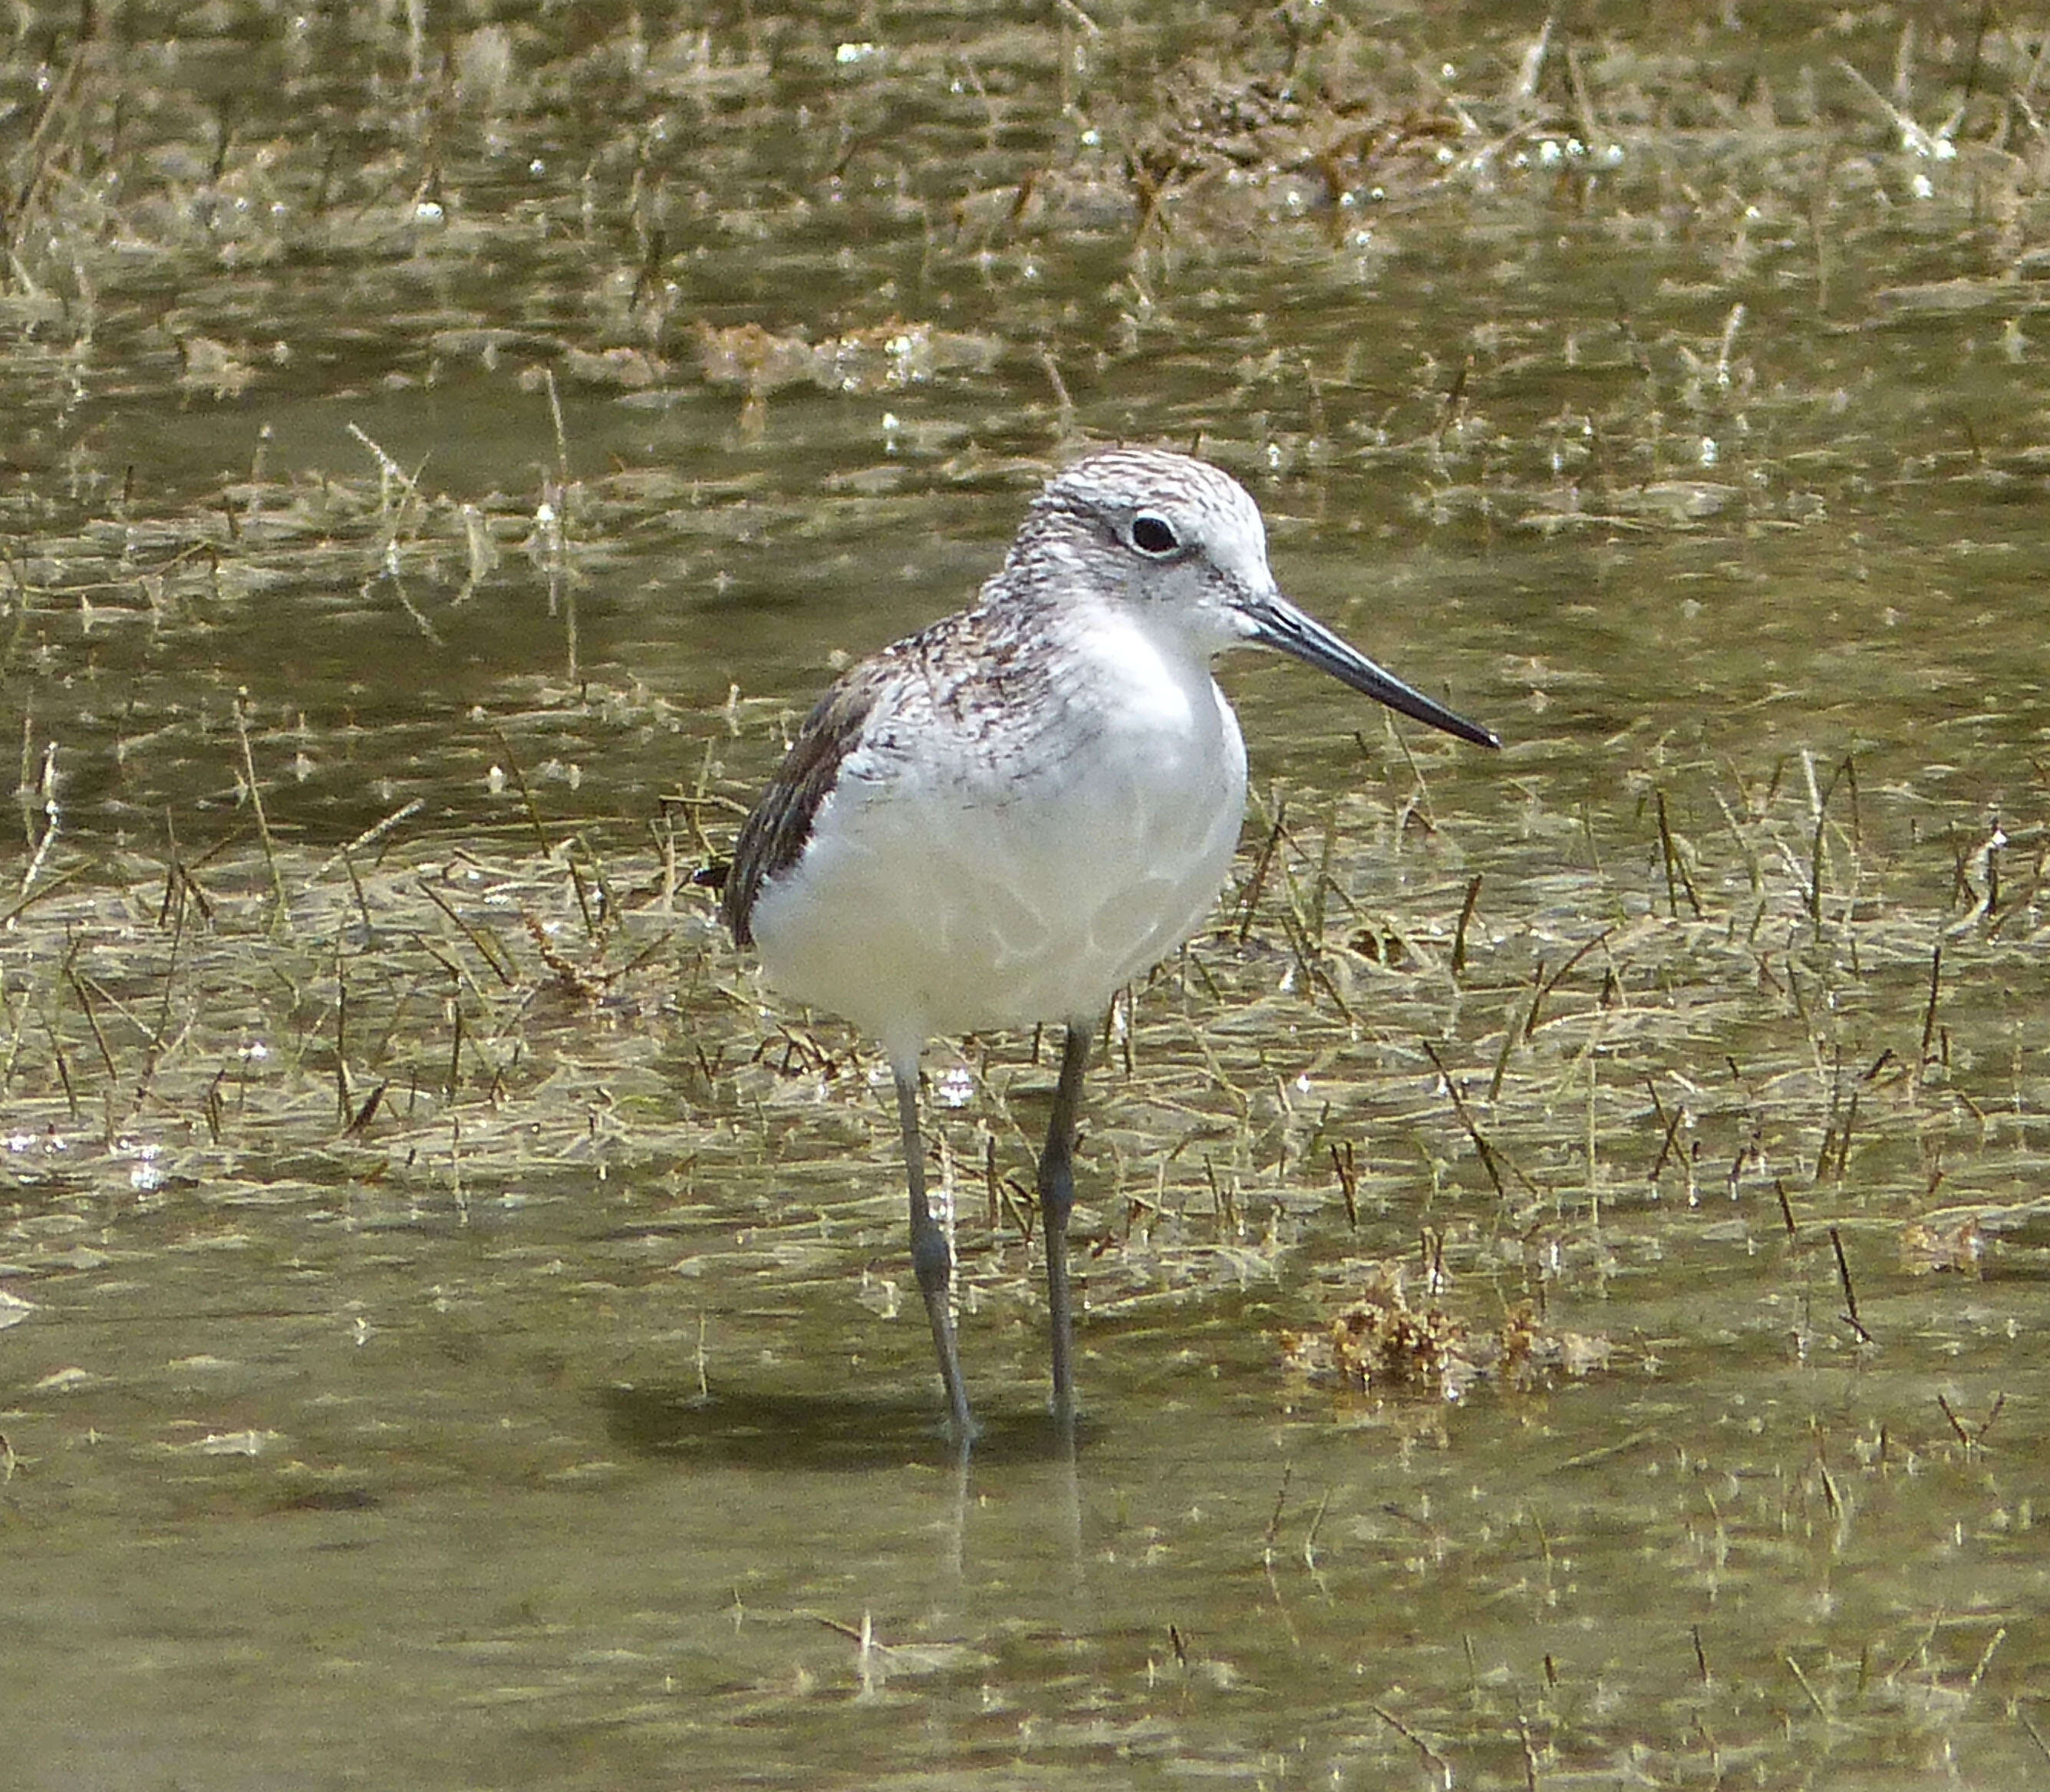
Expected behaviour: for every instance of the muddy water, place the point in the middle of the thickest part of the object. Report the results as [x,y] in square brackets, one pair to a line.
[456,1333]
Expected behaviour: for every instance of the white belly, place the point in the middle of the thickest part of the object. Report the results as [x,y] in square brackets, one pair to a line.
[1023,876]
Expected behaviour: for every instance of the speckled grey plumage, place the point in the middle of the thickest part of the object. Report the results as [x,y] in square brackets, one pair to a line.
[984,676]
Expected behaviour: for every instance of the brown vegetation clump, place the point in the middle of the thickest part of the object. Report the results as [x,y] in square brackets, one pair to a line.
[1380,1340]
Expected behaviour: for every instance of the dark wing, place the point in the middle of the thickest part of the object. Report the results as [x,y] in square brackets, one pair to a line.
[773,838]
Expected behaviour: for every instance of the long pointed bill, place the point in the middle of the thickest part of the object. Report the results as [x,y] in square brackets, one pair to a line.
[1277,623]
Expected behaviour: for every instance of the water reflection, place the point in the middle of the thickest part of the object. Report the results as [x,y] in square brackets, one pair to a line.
[836,1432]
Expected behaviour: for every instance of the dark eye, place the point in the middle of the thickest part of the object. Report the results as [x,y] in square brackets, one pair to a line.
[1153,534]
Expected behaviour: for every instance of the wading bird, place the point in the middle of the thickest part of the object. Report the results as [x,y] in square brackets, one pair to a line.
[1002,820]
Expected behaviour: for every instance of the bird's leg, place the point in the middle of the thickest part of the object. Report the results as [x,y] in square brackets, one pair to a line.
[1056,1201]
[932,1258]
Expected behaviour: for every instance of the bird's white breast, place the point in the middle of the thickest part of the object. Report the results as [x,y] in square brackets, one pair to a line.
[983,868]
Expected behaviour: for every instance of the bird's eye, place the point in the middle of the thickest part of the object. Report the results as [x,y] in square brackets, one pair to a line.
[1154,536]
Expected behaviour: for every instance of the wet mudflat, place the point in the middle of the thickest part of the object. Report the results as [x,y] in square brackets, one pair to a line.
[1565,1252]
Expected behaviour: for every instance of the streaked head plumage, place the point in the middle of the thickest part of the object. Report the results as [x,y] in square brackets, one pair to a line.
[1148,527]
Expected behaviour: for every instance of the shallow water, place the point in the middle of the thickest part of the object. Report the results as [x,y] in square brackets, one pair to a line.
[455,1331]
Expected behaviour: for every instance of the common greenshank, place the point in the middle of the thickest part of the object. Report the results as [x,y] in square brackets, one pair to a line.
[1004,818]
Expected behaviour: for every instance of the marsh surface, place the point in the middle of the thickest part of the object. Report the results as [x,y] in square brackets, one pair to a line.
[455,1330]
